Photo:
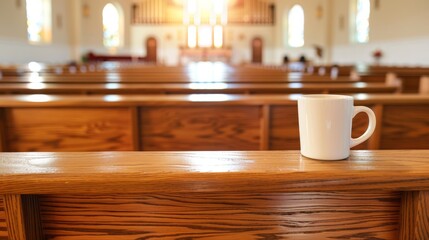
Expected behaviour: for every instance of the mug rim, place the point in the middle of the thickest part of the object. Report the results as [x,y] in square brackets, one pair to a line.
[320,97]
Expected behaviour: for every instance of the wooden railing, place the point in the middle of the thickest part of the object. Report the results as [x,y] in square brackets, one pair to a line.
[215,195]
[192,122]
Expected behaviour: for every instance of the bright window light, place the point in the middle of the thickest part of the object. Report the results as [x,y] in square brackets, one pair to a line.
[192,36]
[205,36]
[218,36]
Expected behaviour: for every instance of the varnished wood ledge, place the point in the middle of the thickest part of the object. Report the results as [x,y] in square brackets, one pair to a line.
[204,172]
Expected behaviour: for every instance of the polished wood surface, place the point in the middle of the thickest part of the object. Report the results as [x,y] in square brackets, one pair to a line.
[218,195]
[150,172]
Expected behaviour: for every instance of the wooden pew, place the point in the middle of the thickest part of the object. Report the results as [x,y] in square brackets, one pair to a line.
[171,78]
[192,122]
[193,88]
[214,195]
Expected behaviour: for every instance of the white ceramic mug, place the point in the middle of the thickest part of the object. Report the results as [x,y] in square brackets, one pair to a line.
[325,125]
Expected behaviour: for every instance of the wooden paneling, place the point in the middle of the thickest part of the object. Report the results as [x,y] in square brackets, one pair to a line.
[284,131]
[69,129]
[405,127]
[201,128]
[415,215]
[23,217]
[3,227]
[223,216]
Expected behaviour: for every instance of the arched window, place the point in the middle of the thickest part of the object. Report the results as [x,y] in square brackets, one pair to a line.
[363,9]
[38,21]
[111,26]
[296,26]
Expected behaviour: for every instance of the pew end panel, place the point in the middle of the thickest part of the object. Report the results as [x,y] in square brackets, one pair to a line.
[70,129]
[410,132]
[314,215]
[200,128]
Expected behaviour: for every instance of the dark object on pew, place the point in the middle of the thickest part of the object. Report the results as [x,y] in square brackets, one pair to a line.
[92,57]
[285,59]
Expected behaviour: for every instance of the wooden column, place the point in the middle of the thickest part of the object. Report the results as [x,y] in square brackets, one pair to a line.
[414,224]
[3,129]
[23,217]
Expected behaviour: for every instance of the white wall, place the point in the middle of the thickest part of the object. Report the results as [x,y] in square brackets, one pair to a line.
[398,28]
[315,33]
[91,29]
[14,46]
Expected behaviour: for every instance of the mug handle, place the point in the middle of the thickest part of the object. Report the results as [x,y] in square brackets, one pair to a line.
[371,126]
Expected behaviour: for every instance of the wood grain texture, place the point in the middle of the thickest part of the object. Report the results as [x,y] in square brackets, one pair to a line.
[69,129]
[23,217]
[284,130]
[32,218]
[204,172]
[14,217]
[312,215]
[415,216]
[405,127]
[201,128]
[2,130]
[3,226]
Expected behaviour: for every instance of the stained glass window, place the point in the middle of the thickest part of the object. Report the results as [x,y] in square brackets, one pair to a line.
[111,26]
[38,20]
[363,9]
[296,26]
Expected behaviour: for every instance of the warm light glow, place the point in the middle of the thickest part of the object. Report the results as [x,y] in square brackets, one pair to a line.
[36,85]
[112,98]
[208,85]
[218,6]
[112,85]
[192,36]
[38,98]
[35,78]
[218,36]
[296,85]
[209,97]
[34,67]
[205,36]
[216,162]
[192,6]
[207,72]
